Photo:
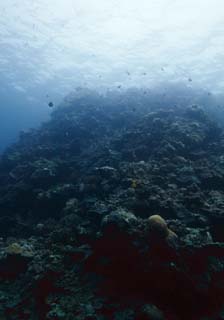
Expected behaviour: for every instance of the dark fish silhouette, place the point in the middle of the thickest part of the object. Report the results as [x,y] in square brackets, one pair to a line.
[50,104]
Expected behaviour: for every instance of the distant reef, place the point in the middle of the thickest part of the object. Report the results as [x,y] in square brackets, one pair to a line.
[114,209]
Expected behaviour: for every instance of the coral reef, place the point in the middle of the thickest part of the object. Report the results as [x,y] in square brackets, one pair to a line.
[113,209]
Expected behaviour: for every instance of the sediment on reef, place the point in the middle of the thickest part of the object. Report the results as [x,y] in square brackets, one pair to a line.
[75,200]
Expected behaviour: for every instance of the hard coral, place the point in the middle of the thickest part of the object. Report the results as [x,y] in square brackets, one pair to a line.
[14,248]
[158,229]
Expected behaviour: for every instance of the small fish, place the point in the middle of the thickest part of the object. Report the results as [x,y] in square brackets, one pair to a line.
[144,73]
[189,79]
[128,73]
[119,86]
[50,104]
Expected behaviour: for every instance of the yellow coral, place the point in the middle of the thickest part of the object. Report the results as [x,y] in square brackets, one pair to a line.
[172,237]
[14,248]
[158,228]
[134,183]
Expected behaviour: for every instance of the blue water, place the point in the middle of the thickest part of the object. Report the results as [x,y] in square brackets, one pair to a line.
[51,47]
[17,114]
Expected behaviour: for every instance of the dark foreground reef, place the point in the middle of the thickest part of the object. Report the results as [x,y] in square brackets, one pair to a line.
[114,210]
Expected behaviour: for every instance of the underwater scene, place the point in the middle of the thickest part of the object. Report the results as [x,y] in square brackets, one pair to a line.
[111,160]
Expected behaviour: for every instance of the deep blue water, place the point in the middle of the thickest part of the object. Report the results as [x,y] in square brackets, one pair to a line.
[17,114]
